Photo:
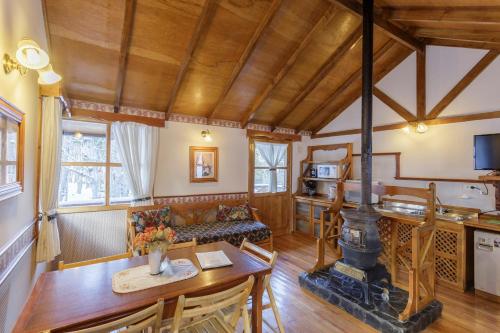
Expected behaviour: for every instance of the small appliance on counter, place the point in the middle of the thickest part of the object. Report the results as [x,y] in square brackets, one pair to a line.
[487,262]
[314,172]
[355,196]
[310,187]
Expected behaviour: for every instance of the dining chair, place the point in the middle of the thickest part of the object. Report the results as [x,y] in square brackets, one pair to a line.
[63,266]
[142,321]
[183,245]
[204,314]
[270,259]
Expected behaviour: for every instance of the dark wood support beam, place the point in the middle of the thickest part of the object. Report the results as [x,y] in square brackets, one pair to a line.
[421,86]
[128,26]
[356,76]
[200,29]
[321,23]
[398,108]
[353,38]
[258,33]
[382,23]
[469,15]
[463,83]
[438,121]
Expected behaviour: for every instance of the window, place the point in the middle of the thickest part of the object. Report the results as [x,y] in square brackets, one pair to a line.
[270,167]
[91,170]
[11,154]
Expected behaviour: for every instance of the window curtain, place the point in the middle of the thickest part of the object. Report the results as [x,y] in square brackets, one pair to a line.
[48,246]
[274,155]
[138,149]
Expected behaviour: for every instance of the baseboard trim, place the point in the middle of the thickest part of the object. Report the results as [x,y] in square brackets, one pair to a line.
[12,252]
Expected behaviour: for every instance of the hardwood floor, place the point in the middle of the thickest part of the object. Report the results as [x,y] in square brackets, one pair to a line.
[302,312]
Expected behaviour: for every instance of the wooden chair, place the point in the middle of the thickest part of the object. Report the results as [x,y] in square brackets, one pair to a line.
[270,259]
[135,323]
[204,314]
[191,243]
[62,265]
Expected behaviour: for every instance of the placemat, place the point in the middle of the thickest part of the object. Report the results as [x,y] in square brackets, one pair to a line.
[138,278]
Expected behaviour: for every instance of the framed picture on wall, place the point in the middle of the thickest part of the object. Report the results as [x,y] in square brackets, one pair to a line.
[203,164]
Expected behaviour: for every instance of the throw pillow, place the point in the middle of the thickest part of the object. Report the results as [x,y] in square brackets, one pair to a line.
[151,218]
[234,213]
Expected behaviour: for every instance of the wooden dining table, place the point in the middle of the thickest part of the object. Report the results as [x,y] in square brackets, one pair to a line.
[81,297]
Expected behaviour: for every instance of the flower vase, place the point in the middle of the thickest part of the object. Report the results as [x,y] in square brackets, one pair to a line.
[155,259]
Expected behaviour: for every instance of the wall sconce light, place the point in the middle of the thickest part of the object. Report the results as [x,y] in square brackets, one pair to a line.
[406,129]
[421,128]
[48,76]
[206,135]
[10,64]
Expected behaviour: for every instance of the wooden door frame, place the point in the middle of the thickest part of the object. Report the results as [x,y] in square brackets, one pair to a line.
[251,171]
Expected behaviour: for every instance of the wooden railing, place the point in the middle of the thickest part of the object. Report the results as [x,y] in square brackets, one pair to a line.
[413,249]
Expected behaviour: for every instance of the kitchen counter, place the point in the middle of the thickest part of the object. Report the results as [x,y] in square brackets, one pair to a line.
[485,221]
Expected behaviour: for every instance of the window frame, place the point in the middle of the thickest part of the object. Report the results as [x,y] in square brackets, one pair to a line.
[107,165]
[13,114]
[252,167]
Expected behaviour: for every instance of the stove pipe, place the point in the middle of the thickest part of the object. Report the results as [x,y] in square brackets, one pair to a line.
[360,239]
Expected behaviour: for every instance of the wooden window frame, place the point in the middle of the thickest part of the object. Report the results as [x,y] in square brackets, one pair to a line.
[252,167]
[107,165]
[13,114]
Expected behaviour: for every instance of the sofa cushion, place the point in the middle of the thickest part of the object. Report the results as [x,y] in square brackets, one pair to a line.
[151,218]
[234,213]
[231,232]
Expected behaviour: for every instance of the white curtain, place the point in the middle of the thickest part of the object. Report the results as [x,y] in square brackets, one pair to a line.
[274,155]
[48,246]
[138,149]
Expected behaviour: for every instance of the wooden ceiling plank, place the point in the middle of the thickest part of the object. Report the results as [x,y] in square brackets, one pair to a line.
[421,85]
[257,35]
[321,23]
[353,38]
[128,25]
[201,28]
[463,83]
[459,34]
[472,15]
[357,93]
[382,23]
[394,105]
[454,42]
[336,93]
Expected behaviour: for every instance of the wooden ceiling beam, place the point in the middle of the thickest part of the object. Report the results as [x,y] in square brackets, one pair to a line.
[394,105]
[353,38]
[357,93]
[471,15]
[453,42]
[438,121]
[127,27]
[382,23]
[200,29]
[459,34]
[462,84]
[257,35]
[320,24]
[421,85]
[337,92]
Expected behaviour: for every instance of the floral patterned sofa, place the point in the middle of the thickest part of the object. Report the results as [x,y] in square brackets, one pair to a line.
[207,222]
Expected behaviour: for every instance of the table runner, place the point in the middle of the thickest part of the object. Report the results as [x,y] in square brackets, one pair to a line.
[138,278]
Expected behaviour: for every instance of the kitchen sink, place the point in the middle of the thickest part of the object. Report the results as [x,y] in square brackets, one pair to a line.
[442,213]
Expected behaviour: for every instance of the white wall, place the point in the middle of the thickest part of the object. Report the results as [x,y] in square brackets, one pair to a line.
[445,151]
[172,177]
[19,19]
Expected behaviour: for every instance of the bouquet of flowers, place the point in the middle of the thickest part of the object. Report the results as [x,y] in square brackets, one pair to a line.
[154,238]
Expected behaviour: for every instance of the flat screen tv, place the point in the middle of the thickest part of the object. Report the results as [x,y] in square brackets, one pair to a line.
[487,152]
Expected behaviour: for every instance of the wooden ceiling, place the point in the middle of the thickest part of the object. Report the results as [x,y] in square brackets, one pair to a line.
[284,63]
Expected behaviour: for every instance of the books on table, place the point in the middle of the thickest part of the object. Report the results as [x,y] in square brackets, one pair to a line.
[213,259]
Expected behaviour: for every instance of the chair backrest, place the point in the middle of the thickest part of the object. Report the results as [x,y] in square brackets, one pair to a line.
[188,308]
[191,243]
[259,253]
[138,322]
[62,265]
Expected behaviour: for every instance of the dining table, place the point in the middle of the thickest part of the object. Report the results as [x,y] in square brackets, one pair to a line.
[82,297]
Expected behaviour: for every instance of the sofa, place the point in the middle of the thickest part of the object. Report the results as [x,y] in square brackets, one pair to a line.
[204,221]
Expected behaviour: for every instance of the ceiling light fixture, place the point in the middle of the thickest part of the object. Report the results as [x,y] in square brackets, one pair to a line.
[421,128]
[48,76]
[206,135]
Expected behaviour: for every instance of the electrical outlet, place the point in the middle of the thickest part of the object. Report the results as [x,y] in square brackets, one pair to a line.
[470,187]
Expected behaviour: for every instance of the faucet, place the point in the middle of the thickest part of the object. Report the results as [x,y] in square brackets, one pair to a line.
[440,209]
